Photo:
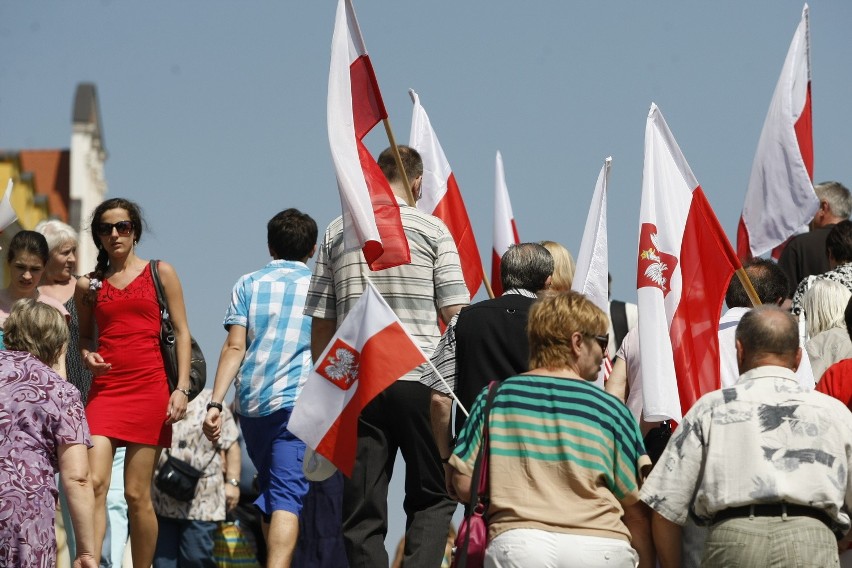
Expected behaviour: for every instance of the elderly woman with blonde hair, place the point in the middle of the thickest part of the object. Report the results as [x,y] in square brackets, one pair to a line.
[553,432]
[43,430]
[825,303]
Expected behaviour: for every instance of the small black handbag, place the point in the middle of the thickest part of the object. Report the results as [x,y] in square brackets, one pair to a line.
[178,479]
[168,347]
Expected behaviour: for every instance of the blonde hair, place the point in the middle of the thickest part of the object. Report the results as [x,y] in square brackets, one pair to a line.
[563,266]
[36,328]
[553,319]
[825,303]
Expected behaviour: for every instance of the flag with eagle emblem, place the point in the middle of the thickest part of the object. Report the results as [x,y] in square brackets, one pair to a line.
[685,263]
[368,353]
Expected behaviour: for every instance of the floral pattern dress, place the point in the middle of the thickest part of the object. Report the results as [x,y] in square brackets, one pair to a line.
[39,412]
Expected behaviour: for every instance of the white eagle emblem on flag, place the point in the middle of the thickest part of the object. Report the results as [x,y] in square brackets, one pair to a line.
[656,269]
[341,365]
[655,266]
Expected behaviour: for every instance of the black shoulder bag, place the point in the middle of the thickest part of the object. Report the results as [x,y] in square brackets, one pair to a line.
[168,347]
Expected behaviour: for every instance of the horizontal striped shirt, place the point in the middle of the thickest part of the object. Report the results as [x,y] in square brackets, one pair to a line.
[564,457]
[415,291]
[269,303]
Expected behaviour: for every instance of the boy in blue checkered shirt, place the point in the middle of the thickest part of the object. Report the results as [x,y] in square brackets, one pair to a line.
[268,356]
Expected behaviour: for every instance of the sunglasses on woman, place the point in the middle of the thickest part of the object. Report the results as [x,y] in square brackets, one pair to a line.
[123,228]
[602,340]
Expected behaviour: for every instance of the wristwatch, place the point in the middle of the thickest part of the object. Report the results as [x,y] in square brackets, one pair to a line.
[216,405]
[233,482]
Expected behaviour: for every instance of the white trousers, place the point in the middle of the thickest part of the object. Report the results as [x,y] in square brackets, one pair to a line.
[532,548]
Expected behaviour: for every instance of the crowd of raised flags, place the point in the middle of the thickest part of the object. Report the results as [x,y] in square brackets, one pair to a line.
[684,259]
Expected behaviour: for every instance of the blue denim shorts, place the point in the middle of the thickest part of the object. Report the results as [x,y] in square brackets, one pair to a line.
[277,455]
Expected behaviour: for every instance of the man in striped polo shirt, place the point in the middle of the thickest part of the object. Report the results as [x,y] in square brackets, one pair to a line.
[268,352]
[430,286]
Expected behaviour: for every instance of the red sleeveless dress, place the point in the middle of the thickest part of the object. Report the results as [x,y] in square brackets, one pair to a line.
[129,402]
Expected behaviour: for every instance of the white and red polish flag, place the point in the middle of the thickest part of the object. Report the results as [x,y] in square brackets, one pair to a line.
[591,278]
[371,219]
[440,195]
[685,264]
[368,353]
[505,230]
[780,199]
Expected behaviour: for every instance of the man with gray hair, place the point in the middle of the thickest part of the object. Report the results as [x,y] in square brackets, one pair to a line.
[765,463]
[487,341]
[805,254]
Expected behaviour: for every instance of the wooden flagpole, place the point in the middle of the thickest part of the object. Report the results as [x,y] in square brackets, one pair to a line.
[749,288]
[409,195]
[487,283]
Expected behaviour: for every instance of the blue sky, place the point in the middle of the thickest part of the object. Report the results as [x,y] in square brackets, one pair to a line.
[214,112]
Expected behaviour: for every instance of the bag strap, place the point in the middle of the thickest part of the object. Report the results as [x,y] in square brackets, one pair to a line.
[618,313]
[216,451]
[158,286]
[479,480]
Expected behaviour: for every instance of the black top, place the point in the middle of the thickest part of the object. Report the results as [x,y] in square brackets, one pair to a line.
[805,256]
[491,345]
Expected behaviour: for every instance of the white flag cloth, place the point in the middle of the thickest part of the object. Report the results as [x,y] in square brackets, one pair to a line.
[591,277]
[7,212]
[505,230]
[780,198]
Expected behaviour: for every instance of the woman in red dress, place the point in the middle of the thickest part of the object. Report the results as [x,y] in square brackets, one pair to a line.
[129,402]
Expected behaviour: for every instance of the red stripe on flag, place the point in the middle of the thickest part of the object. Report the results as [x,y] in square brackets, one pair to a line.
[707,263]
[496,282]
[452,212]
[368,108]
[743,245]
[515,232]
[385,357]
[393,250]
[805,134]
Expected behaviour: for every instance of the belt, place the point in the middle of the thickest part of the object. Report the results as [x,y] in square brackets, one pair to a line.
[774,510]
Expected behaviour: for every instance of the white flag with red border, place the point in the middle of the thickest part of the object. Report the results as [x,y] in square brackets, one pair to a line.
[780,199]
[371,220]
[505,229]
[685,264]
[440,195]
[368,353]
[591,277]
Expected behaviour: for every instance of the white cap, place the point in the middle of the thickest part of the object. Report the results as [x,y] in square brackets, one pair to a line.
[316,467]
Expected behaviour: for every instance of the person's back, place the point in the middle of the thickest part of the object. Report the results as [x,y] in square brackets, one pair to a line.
[491,336]
[580,458]
[267,352]
[430,286]
[411,290]
[491,344]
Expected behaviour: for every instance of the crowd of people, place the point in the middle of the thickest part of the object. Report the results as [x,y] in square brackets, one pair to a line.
[757,473]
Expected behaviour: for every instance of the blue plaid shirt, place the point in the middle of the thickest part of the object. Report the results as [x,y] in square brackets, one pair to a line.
[269,304]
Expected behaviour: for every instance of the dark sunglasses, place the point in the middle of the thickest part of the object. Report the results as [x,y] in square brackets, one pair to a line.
[124,228]
[603,340]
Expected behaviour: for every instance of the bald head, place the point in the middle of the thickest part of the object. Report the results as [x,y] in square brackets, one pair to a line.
[768,335]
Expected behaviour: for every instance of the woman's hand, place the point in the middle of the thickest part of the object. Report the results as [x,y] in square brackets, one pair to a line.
[232,497]
[177,407]
[96,364]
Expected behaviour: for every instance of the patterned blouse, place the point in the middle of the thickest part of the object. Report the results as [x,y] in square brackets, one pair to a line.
[190,445]
[39,413]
